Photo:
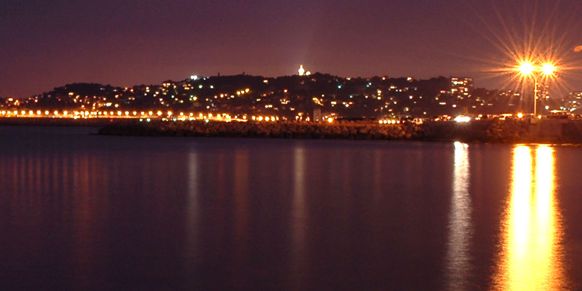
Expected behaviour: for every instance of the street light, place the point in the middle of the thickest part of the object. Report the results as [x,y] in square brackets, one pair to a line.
[528,69]
[548,69]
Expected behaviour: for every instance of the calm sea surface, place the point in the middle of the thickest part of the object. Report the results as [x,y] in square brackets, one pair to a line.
[86,212]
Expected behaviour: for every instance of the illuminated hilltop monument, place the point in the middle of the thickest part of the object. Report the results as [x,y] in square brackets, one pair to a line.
[302,71]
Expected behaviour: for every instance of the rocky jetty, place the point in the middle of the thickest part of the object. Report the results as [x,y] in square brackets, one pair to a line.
[500,131]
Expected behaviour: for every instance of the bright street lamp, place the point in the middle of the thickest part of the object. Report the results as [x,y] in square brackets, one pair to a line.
[528,69]
[548,69]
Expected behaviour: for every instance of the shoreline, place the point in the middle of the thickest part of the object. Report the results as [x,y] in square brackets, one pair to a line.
[545,131]
[509,131]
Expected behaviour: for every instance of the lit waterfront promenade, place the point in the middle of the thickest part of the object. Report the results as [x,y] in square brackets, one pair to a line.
[516,128]
[126,114]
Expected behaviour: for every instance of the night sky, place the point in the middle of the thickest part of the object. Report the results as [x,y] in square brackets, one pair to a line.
[121,42]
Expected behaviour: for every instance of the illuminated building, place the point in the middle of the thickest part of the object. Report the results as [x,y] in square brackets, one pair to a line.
[544,96]
[303,72]
[461,87]
[572,103]
[317,114]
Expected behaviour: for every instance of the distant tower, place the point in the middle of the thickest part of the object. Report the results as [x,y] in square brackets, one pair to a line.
[301,71]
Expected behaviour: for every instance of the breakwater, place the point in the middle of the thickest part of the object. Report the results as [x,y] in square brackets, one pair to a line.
[505,131]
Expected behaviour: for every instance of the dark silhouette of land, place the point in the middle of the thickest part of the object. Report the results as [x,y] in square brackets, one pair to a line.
[289,97]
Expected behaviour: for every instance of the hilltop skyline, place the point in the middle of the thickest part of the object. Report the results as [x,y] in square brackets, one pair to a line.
[145,42]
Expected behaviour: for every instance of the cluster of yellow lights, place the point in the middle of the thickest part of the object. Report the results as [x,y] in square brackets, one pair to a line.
[78,114]
[462,119]
[389,121]
[261,118]
[243,91]
[528,68]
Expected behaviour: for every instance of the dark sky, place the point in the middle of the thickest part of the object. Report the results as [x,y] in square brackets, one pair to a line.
[48,43]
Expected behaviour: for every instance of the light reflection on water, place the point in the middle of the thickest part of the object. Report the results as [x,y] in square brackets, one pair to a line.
[192,204]
[460,224]
[88,212]
[531,256]
[298,218]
